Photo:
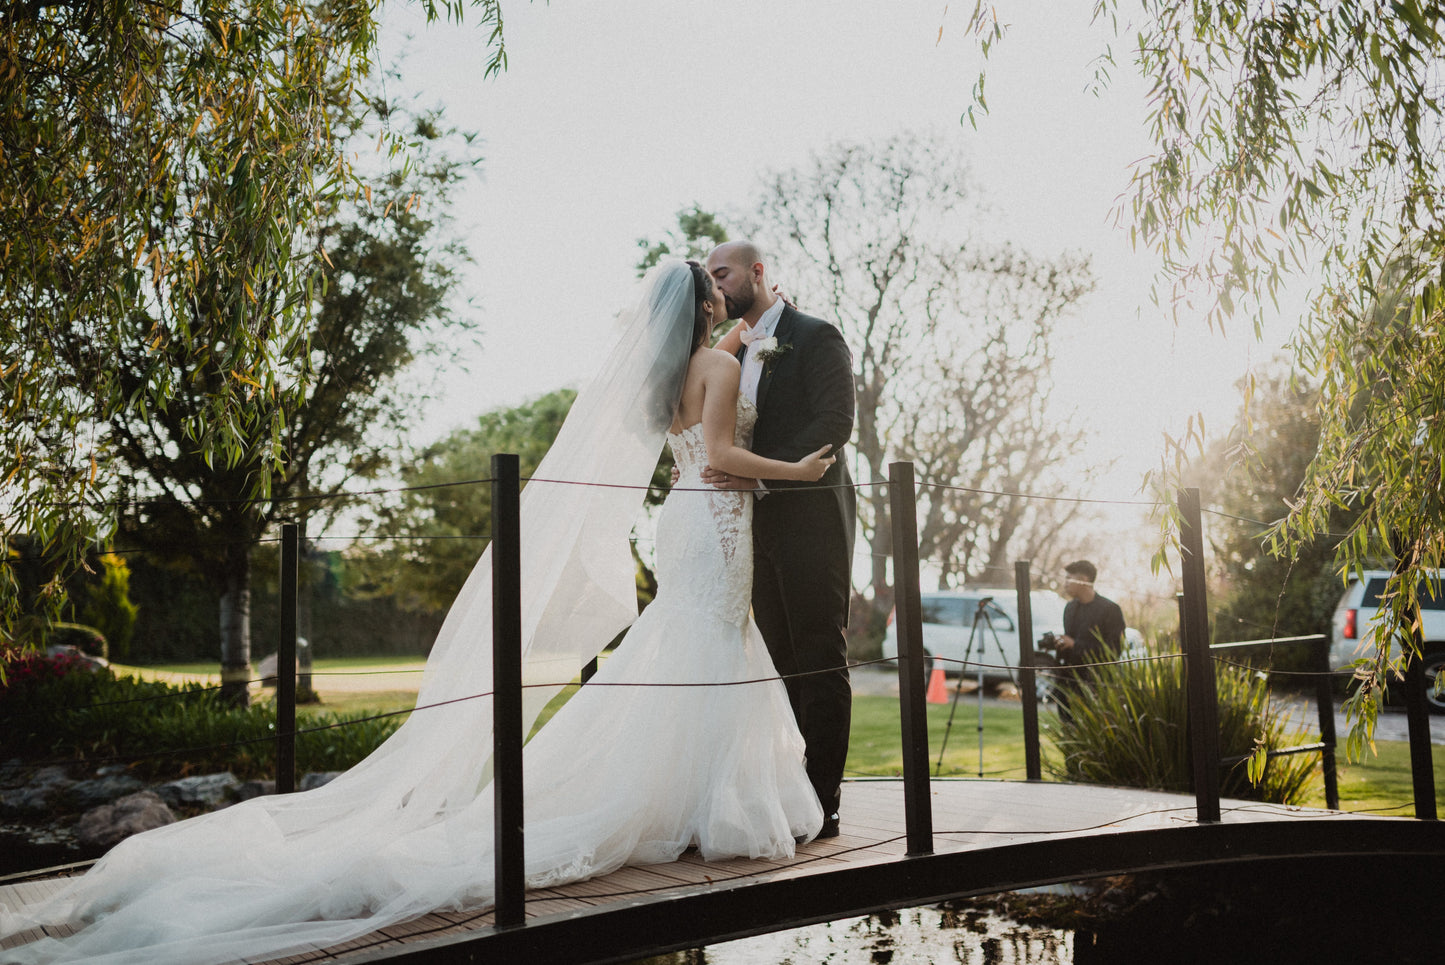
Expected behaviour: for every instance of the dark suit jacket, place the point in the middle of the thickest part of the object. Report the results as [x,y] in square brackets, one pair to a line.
[805,400]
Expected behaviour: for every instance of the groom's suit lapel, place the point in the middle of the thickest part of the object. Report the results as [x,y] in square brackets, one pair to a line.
[783,332]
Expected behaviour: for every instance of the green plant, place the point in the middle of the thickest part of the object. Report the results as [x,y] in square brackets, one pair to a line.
[1129,728]
[107,605]
[57,708]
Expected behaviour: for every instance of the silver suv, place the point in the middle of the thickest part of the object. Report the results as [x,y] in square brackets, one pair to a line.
[1356,624]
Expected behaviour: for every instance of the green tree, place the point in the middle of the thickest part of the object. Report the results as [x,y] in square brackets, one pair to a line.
[164,167]
[697,233]
[438,527]
[382,303]
[1306,136]
[1250,476]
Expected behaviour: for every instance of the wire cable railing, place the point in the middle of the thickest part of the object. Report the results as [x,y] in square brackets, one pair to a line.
[975,664]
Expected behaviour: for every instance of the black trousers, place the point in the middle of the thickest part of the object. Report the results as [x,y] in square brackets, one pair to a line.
[801,564]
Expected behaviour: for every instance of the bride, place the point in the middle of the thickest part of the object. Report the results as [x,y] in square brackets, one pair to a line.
[620,775]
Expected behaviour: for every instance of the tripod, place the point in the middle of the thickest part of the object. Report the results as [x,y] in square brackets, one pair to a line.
[980,614]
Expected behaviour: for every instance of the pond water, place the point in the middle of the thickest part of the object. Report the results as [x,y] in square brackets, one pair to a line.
[915,936]
[1313,910]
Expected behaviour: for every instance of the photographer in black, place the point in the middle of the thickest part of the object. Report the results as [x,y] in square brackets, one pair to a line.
[1093,630]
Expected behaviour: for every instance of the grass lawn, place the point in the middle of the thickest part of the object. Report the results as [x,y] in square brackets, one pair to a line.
[366,685]
[1380,782]
[875,748]
[209,668]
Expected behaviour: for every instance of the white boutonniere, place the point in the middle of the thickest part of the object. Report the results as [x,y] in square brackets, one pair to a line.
[769,349]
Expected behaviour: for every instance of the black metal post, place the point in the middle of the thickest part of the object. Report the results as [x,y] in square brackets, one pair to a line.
[286,665]
[1325,700]
[917,806]
[1417,715]
[507,689]
[1199,668]
[589,671]
[1028,690]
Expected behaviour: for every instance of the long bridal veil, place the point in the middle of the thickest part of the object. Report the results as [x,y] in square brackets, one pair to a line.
[408,829]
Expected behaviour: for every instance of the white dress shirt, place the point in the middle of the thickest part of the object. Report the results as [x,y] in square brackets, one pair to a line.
[752,365]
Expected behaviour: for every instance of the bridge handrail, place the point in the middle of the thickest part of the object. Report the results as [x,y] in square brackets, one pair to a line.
[1324,706]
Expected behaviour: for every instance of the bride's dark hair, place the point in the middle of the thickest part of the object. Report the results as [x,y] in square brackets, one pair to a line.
[701,294]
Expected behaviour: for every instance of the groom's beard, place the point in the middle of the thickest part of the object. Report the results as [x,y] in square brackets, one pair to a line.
[739,306]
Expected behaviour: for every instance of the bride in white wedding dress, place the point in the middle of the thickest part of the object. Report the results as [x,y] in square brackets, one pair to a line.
[620,775]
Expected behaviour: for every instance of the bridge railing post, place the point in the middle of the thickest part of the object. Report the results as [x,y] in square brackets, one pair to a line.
[1199,667]
[286,664]
[1325,702]
[1028,689]
[917,806]
[507,690]
[1417,716]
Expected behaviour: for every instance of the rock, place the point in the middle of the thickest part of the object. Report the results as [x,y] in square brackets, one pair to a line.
[28,802]
[12,773]
[203,790]
[102,790]
[43,795]
[54,775]
[106,826]
[110,770]
[316,779]
[249,789]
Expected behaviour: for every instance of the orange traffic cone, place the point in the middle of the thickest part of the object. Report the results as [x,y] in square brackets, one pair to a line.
[937,687]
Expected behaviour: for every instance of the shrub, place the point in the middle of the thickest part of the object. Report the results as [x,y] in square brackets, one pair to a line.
[108,606]
[27,669]
[1130,729]
[49,711]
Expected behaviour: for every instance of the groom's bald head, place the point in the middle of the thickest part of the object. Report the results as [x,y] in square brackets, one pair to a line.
[740,253]
[738,271]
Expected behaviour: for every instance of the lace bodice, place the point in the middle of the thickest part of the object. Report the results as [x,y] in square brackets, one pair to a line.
[704,538]
[690,451]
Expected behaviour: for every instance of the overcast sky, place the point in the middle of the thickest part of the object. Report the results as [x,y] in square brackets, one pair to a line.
[614,114]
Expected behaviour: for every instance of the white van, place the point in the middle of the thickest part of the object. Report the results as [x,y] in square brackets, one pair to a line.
[948,619]
[1355,625]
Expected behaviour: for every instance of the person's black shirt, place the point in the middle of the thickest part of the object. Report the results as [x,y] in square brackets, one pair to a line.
[1081,620]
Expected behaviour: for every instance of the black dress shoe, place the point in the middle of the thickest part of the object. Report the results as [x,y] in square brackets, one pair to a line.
[830,827]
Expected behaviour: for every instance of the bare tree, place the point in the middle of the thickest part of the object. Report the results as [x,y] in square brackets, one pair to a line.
[952,340]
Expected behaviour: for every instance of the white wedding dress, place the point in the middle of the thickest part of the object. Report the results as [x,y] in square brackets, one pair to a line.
[632,770]
[718,767]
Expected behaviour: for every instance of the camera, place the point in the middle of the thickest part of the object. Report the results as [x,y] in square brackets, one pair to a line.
[1049,641]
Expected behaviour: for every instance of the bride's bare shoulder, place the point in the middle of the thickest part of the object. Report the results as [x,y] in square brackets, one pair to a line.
[716,359]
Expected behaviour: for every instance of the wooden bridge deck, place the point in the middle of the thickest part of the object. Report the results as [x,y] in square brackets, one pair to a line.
[989,836]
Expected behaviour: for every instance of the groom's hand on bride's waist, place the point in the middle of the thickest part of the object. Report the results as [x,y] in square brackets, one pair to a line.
[718,479]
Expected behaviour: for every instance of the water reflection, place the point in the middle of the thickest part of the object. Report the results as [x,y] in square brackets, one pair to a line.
[915,936]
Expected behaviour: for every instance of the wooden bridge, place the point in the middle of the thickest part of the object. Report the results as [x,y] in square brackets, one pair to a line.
[991,836]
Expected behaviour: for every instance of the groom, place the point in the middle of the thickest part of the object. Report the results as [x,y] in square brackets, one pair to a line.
[800,373]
